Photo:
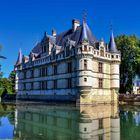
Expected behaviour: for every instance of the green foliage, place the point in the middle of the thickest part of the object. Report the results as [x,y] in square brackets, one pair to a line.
[7,85]
[12,80]
[129,47]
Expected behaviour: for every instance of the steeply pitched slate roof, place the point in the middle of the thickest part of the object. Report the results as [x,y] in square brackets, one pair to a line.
[25,58]
[19,59]
[112,44]
[37,48]
[82,32]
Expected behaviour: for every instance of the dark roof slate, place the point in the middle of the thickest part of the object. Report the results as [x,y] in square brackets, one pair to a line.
[82,33]
[112,45]
[19,59]
[37,48]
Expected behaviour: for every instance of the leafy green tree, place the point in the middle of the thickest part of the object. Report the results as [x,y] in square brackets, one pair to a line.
[6,85]
[1,57]
[12,80]
[129,47]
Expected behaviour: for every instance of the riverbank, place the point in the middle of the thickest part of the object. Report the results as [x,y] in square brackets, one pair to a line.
[131,99]
[123,100]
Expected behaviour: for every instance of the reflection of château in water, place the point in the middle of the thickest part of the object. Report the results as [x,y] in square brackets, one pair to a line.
[67,123]
[70,66]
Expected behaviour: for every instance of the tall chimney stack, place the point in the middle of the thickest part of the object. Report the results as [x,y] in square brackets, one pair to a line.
[53,32]
[75,24]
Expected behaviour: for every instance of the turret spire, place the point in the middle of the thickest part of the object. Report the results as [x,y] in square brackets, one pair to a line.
[19,60]
[84,16]
[112,44]
[84,31]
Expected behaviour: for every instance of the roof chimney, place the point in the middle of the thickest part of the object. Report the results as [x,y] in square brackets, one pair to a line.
[53,32]
[75,24]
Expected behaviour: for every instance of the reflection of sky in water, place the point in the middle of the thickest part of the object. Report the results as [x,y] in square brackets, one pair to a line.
[126,115]
[66,123]
[137,118]
[6,129]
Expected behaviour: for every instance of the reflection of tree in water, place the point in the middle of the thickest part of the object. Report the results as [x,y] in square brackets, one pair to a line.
[129,129]
[0,122]
[7,111]
[11,117]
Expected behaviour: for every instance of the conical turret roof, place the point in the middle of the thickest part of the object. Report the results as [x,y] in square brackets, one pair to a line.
[19,59]
[112,44]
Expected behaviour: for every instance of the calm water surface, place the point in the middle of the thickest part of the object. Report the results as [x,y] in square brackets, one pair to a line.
[61,122]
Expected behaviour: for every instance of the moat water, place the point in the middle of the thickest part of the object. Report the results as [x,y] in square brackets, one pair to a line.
[69,122]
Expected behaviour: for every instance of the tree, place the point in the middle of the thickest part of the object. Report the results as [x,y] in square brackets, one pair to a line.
[6,85]
[1,57]
[129,47]
[12,80]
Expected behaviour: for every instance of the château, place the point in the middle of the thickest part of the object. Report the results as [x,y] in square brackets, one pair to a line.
[72,66]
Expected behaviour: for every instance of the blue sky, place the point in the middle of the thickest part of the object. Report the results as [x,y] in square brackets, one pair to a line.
[23,22]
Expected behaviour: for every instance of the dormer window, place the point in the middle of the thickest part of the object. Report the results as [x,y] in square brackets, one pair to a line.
[53,54]
[101,51]
[89,49]
[81,49]
[85,48]
[67,51]
[44,48]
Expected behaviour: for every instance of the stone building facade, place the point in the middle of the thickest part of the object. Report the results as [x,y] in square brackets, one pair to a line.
[70,66]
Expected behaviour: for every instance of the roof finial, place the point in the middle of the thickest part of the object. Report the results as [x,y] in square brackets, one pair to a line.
[112,44]
[45,34]
[111,27]
[84,15]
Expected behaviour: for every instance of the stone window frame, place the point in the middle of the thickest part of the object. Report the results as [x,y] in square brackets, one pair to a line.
[69,67]
[100,67]
[55,69]
[100,83]
[85,79]
[85,48]
[69,82]
[31,73]
[55,84]
[100,123]
[102,51]
[85,64]
[101,137]
[24,74]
